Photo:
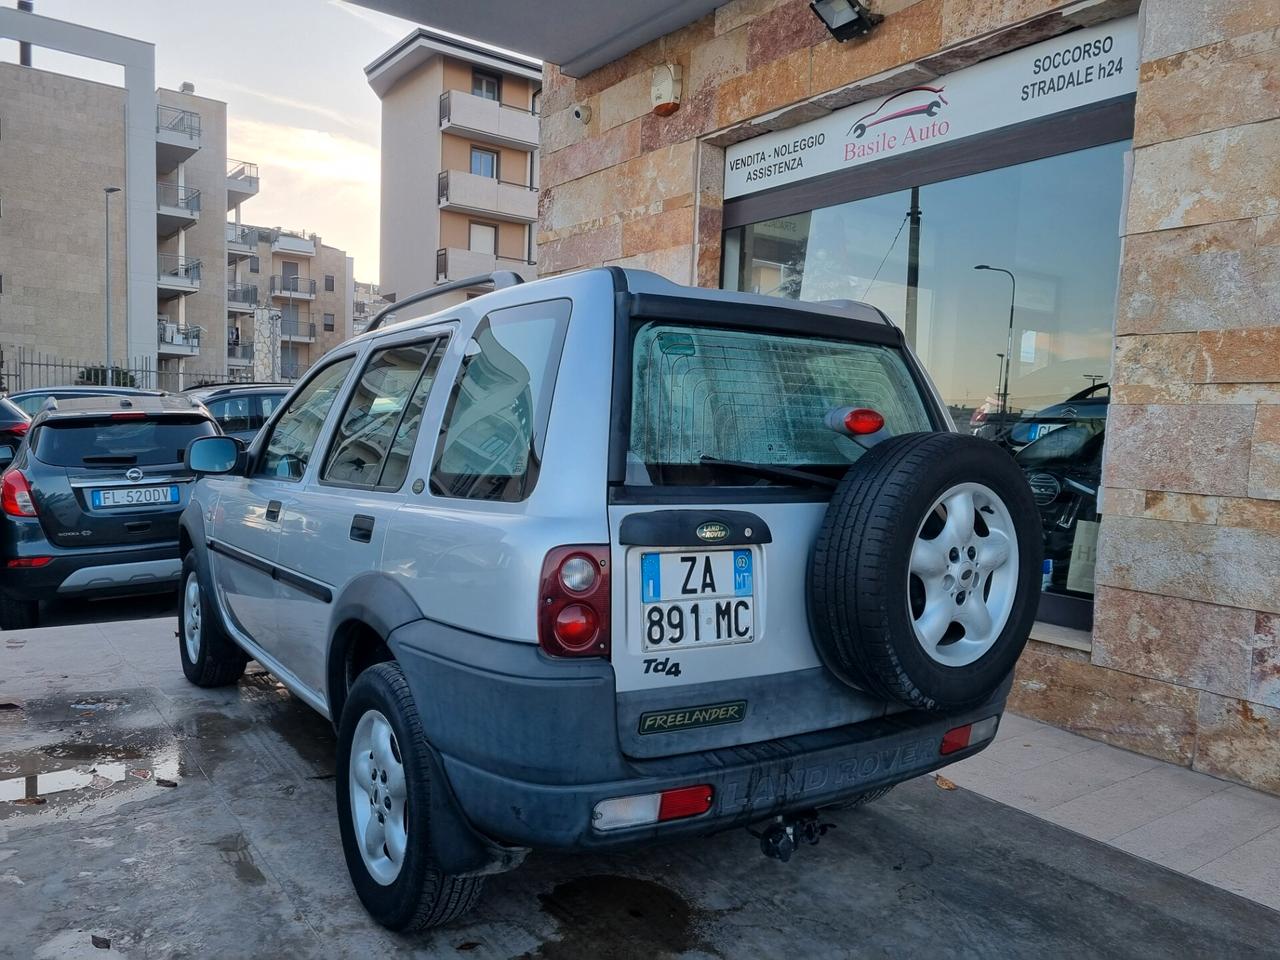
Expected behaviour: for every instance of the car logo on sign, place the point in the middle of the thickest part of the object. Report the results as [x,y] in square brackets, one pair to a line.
[133,475]
[712,532]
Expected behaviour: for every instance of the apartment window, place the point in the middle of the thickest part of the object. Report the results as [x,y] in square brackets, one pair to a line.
[483,238]
[484,163]
[328,321]
[485,85]
[253,264]
[328,283]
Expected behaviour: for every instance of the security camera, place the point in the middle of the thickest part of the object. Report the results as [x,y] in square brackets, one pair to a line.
[582,113]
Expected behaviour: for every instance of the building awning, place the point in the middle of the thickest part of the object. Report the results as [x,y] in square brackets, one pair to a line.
[578,35]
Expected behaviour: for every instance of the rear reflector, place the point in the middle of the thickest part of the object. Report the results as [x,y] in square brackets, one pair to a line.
[971,733]
[647,808]
[29,562]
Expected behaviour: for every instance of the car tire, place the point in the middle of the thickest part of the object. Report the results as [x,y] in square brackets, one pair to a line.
[210,658]
[381,733]
[925,577]
[18,614]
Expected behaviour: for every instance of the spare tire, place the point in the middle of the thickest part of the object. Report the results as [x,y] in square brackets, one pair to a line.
[925,577]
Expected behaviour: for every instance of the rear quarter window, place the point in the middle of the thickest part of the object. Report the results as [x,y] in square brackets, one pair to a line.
[490,443]
[757,397]
[107,442]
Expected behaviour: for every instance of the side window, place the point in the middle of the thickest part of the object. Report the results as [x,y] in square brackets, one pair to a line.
[375,437]
[490,444]
[288,450]
[269,403]
[234,414]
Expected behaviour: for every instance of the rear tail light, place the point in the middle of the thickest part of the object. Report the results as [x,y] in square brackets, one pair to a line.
[20,428]
[649,808]
[28,562]
[15,495]
[573,602]
[958,738]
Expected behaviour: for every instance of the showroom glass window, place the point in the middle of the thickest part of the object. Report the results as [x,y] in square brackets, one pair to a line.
[1054,224]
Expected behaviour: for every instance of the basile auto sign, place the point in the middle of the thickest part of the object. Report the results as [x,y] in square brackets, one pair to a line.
[1087,66]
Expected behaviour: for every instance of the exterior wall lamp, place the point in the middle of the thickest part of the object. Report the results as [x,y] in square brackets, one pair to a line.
[846,19]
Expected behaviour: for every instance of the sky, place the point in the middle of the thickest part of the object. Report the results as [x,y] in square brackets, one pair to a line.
[292,75]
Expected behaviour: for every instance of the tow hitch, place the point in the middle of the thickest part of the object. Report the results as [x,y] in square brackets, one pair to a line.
[783,835]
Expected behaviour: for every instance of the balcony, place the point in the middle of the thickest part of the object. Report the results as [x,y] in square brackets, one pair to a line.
[176,339]
[242,297]
[242,242]
[177,136]
[464,192]
[487,121]
[240,354]
[453,263]
[242,181]
[293,288]
[297,330]
[293,243]
[176,208]
[176,276]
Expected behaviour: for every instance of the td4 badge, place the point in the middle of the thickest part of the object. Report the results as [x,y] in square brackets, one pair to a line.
[662,665]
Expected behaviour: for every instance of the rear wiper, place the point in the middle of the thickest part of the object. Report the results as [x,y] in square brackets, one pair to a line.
[778,473]
[109,458]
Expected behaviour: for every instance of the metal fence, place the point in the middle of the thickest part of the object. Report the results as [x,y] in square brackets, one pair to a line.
[25,369]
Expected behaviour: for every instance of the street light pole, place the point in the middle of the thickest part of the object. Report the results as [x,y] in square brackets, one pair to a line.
[106,200]
[1008,357]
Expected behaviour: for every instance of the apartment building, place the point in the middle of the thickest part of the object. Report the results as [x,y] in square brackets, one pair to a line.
[289,301]
[125,188]
[366,301]
[459,162]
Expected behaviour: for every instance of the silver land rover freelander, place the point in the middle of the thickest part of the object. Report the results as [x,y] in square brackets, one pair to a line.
[600,560]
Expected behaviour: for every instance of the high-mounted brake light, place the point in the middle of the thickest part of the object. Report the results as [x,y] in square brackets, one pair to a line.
[958,738]
[855,421]
[15,495]
[128,416]
[861,421]
[573,602]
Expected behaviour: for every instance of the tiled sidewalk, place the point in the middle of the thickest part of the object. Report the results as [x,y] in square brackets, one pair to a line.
[1218,832]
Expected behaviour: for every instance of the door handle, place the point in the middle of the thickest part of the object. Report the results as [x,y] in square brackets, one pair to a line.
[362,528]
[273,511]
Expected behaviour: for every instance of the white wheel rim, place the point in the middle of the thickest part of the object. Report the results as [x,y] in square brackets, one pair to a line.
[379,802]
[967,579]
[191,617]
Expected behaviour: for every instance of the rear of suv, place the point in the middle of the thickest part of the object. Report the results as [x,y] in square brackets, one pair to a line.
[90,505]
[599,561]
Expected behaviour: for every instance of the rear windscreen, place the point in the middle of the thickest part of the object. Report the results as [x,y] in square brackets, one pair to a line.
[760,398]
[107,442]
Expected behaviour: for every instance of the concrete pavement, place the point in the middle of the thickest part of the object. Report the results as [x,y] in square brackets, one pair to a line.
[180,822]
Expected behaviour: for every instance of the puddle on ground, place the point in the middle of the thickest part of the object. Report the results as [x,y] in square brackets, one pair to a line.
[80,771]
[623,918]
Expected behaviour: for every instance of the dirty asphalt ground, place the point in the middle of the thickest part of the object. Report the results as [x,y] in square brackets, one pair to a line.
[185,823]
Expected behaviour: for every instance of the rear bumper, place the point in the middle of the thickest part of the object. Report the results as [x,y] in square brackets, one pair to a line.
[154,568]
[529,746]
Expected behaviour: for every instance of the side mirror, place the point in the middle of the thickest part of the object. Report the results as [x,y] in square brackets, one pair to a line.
[213,454]
[7,453]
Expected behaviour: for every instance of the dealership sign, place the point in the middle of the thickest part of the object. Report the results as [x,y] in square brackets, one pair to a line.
[1076,69]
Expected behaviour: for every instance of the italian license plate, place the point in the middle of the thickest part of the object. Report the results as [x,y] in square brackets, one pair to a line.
[132,496]
[698,598]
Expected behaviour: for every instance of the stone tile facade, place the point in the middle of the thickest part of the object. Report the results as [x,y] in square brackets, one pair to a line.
[1185,660]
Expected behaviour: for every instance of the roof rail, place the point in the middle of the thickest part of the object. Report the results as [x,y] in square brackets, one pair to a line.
[501,279]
